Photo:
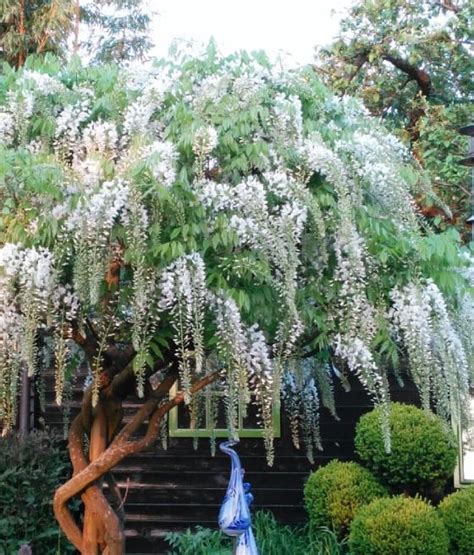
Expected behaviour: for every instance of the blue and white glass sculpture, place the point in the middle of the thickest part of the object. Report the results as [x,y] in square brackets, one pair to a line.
[234,516]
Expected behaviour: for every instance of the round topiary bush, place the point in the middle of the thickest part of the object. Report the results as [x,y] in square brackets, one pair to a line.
[457,512]
[423,449]
[336,491]
[396,526]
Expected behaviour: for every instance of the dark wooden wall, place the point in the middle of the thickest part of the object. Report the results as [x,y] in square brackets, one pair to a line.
[183,487]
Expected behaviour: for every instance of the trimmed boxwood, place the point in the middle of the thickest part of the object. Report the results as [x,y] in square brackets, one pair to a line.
[398,526]
[457,513]
[336,491]
[423,449]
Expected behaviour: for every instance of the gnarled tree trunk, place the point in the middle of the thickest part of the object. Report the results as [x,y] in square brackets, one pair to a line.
[102,530]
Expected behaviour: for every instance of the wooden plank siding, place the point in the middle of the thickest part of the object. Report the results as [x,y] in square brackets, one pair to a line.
[183,487]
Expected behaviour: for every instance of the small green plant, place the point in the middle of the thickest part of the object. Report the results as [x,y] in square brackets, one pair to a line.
[271,537]
[398,526]
[423,450]
[335,492]
[199,541]
[457,512]
[30,470]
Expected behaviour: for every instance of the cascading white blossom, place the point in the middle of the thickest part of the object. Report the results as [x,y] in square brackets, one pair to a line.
[210,91]
[151,94]
[376,158]
[208,184]
[161,158]
[243,350]
[204,141]
[27,286]
[11,332]
[288,120]
[144,314]
[101,137]
[246,359]
[69,121]
[275,232]
[183,292]
[7,128]
[90,223]
[307,385]
[438,362]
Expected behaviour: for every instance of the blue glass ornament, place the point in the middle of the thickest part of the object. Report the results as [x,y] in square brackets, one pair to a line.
[234,515]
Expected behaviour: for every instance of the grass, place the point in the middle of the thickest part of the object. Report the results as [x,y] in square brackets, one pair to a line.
[272,539]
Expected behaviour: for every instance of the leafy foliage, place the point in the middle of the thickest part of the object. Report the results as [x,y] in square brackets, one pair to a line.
[335,492]
[423,451]
[271,537]
[409,61]
[118,30]
[105,30]
[199,541]
[222,216]
[457,513]
[398,525]
[33,26]
[30,470]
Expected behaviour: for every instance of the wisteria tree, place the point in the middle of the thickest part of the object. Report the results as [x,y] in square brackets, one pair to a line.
[223,223]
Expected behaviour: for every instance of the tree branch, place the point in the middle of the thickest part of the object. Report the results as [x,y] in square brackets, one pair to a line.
[121,447]
[448,6]
[419,75]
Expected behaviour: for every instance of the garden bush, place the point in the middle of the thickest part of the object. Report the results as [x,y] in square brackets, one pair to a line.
[396,526]
[336,491]
[423,449]
[30,471]
[457,512]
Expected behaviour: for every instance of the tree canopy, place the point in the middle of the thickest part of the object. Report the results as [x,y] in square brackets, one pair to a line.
[222,222]
[105,30]
[34,27]
[410,61]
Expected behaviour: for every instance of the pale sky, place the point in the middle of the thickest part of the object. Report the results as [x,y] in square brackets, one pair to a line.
[292,27]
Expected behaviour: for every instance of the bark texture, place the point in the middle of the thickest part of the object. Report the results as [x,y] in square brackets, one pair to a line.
[101,531]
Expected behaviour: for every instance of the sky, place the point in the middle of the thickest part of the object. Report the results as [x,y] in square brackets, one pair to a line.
[288,27]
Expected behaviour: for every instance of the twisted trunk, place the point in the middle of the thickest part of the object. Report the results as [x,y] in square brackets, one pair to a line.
[102,530]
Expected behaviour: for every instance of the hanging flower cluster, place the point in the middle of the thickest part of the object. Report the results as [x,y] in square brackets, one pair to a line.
[437,357]
[377,158]
[234,217]
[306,387]
[30,302]
[183,291]
[90,224]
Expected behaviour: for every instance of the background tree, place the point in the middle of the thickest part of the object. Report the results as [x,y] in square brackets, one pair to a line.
[33,27]
[410,62]
[220,223]
[106,30]
[117,30]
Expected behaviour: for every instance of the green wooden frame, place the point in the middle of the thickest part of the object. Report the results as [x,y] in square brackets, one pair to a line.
[175,431]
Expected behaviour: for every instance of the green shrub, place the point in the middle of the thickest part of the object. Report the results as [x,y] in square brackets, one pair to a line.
[30,471]
[457,513]
[335,492]
[423,449]
[396,526]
